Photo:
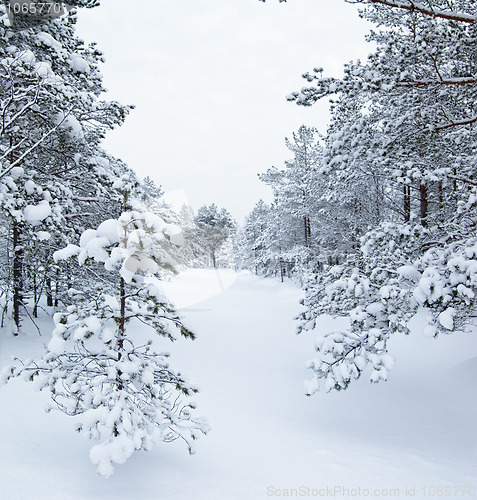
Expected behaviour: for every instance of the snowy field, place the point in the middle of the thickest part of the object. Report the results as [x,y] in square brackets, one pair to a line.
[268,440]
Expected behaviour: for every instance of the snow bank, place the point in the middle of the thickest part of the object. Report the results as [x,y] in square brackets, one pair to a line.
[266,437]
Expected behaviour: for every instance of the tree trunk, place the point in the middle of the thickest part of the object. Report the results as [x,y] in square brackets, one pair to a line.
[17,260]
[17,274]
[121,324]
[441,203]
[407,203]
[121,320]
[49,296]
[35,297]
[57,287]
[424,201]
[307,226]
[120,338]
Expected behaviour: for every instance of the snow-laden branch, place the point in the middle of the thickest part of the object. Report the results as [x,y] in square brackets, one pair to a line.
[12,149]
[421,8]
[462,179]
[430,82]
[21,112]
[451,124]
[34,146]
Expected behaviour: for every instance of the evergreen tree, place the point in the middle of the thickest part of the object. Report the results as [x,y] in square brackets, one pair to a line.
[53,176]
[214,229]
[403,134]
[288,237]
[123,391]
[193,255]
[253,242]
[151,192]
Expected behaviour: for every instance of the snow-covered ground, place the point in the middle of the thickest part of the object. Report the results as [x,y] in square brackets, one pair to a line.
[416,431]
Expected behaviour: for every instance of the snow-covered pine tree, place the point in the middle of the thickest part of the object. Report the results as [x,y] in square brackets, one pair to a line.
[296,203]
[150,191]
[214,228]
[192,253]
[49,143]
[252,241]
[101,364]
[409,119]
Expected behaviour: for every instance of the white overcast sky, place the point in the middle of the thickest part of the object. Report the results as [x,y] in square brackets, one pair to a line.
[209,80]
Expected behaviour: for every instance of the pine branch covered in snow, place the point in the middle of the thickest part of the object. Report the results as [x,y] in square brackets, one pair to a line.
[376,299]
[382,288]
[121,389]
[402,125]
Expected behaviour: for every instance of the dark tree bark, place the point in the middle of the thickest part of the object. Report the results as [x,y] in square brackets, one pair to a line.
[424,203]
[407,203]
[17,274]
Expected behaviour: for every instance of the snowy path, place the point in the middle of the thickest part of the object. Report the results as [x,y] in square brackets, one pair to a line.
[267,438]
